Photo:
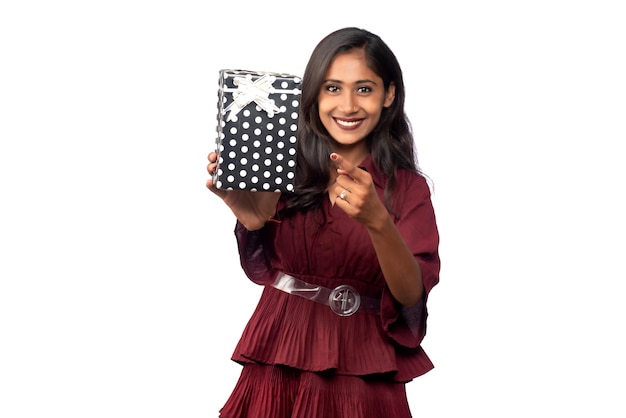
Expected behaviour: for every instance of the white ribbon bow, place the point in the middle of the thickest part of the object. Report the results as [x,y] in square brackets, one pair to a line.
[249,91]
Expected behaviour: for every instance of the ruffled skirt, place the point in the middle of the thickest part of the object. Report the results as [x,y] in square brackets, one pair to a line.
[266,391]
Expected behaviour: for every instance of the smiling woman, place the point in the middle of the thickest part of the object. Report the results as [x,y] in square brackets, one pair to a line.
[351,101]
[347,259]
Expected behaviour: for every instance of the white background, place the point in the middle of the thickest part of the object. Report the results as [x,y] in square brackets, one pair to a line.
[121,293]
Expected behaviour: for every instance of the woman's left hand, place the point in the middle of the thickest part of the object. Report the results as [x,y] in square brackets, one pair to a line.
[356,195]
[361,202]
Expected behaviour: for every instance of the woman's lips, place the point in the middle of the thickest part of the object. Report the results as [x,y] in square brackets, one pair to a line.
[348,124]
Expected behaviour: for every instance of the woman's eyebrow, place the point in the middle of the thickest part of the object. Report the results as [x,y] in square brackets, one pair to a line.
[331,80]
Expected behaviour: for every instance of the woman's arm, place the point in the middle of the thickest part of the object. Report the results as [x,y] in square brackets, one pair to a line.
[361,202]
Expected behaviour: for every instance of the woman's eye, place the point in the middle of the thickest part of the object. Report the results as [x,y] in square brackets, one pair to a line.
[364,89]
[332,89]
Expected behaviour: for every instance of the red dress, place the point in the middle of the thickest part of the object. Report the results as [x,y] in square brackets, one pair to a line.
[306,340]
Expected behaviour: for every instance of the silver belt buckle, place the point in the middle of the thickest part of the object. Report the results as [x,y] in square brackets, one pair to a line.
[344,300]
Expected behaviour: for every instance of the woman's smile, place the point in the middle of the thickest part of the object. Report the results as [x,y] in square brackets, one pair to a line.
[348,124]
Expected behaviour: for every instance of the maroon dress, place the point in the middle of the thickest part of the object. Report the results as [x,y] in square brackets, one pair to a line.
[303,360]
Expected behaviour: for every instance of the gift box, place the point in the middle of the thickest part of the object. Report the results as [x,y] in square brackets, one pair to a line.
[257,122]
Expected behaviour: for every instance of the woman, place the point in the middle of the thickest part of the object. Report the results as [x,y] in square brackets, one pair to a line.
[346,260]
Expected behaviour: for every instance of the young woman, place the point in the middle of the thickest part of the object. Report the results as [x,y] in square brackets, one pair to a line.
[346,260]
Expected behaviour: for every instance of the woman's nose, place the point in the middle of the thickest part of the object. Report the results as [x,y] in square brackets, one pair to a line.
[348,103]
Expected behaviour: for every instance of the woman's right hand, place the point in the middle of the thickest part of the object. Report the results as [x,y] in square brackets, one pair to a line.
[252,209]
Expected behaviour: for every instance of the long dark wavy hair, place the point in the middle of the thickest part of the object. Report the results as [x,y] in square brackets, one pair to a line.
[391,143]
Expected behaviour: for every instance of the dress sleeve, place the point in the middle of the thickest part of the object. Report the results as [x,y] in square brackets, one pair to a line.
[418,227]
[252,254]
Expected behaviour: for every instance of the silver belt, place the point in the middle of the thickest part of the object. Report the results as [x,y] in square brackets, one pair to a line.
[343,300]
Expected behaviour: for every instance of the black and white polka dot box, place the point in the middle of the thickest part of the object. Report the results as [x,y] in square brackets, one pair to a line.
[257,123]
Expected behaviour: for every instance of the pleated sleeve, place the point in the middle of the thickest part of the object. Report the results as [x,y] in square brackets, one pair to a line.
[253,254]
[417,225]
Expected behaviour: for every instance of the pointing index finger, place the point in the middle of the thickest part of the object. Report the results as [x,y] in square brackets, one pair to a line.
[345,167]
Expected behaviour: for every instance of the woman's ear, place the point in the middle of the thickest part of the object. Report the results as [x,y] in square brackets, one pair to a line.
[390,95]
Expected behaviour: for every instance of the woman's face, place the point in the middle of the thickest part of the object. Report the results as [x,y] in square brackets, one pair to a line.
[351,99]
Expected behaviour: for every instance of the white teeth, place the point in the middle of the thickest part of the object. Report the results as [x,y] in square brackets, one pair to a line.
[348,123]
